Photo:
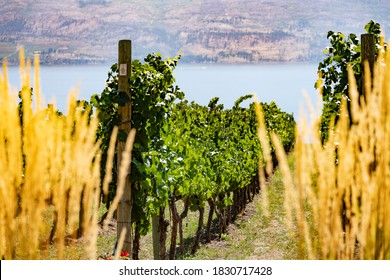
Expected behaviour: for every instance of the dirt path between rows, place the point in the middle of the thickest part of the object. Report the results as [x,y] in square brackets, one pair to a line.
[254,236]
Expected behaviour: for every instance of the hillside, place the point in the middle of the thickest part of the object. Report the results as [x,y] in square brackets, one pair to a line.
[87,31]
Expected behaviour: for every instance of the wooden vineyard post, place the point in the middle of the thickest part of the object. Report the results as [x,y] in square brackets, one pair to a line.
[367,54]
[124,110]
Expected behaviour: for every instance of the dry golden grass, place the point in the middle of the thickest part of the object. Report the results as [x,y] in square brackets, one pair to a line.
[338,199]
[49,166]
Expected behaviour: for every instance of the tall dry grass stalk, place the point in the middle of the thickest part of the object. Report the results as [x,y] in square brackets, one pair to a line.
[338,197]
[49,173]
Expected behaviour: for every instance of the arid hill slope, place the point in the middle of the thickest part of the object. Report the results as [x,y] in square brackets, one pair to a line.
[87,31]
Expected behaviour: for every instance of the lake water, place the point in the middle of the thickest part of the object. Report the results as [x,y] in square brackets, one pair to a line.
[282,83]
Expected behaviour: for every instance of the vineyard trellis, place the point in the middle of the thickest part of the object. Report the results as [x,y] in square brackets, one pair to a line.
[185,153]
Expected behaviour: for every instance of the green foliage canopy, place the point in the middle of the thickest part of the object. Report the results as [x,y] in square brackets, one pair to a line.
[343,52]
[183,151]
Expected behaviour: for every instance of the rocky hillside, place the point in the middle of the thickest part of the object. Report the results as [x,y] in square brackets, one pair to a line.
[87,31]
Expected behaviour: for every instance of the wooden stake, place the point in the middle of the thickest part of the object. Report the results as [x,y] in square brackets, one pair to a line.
[125,205]
[367,54]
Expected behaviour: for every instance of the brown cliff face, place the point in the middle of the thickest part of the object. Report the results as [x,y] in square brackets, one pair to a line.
[79,31]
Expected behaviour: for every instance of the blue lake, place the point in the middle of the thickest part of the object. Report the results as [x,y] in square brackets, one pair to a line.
[282,83]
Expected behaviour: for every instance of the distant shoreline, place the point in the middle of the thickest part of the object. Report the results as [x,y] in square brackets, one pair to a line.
[181,62]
